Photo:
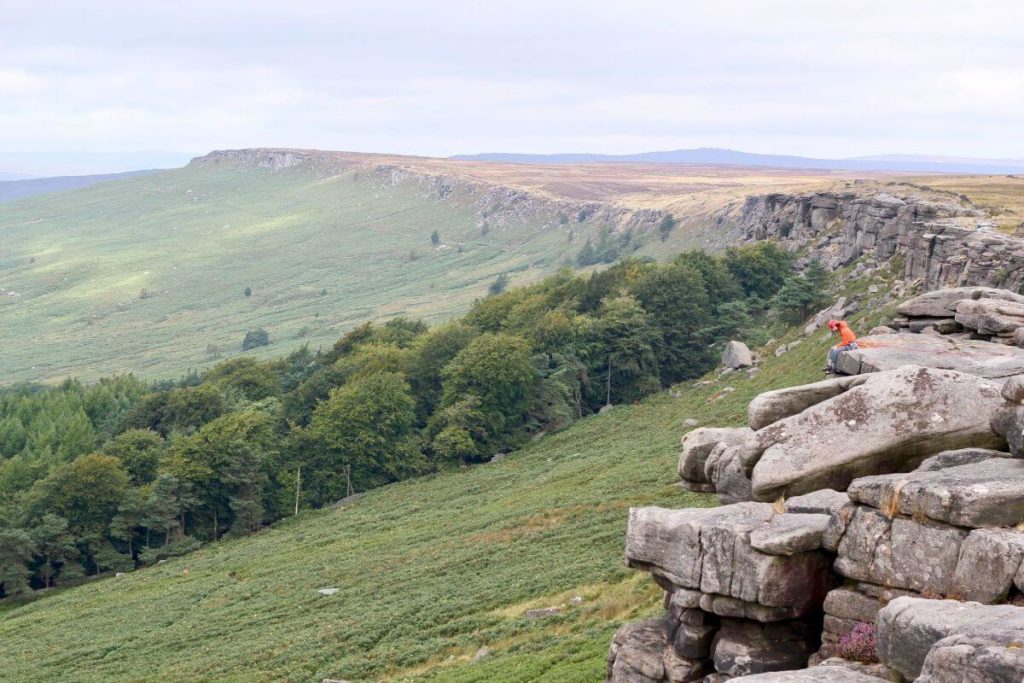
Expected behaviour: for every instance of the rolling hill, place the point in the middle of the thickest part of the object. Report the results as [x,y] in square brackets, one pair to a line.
[148,273]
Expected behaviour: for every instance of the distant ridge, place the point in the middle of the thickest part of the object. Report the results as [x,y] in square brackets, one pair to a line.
[711,155]
[19,189]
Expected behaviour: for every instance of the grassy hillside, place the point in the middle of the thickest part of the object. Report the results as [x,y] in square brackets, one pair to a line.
[320,252]
[428,570]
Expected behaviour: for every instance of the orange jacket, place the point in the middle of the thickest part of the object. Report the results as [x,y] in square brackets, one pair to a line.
[846,335]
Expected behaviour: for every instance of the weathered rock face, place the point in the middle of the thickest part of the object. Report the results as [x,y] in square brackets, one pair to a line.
[962,456]
[975,357]
[943,303]
[841,227]
[737,355]
[697,446]
[989,493]
[889,423]
[772,406]
[711,551]
[936,641]
[642,652]
[831,674]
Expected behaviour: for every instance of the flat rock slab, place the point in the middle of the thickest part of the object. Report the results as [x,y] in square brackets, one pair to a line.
[878,353]
[772,406]
[947,640]
[887,424]
[942,303]
[709,550]
[789,534]
[962,456]
[989,493]
[822,501]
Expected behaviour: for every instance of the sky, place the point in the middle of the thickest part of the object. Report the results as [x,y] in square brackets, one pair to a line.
[99,85]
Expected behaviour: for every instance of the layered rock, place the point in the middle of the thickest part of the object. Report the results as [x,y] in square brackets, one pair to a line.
[698,445]
[935,641]
[842,227]
[879,353]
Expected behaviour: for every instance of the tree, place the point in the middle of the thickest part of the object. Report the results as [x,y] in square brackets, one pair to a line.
[253,380]
[189,408]
[620,350]
[798,298]
[435,238]
[86,492]
[223,463]
[55,546]
[364,428]
[16,551]
[427,359]
[499,285]
[496,368]
[130,518]
[760,268]
[586,255]
[678,306]
[818,275]
[255,338]
[248,291]
[666,226]
[139,451]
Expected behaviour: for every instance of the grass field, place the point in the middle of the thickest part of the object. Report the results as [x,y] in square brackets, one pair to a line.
[428,570]
[320,255]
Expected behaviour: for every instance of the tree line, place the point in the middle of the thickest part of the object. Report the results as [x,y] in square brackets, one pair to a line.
[122,473]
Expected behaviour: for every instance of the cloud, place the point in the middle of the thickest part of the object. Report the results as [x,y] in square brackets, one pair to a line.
[793,76]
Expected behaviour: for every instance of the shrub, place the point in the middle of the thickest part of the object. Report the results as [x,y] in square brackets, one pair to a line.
[859,644]
[248,291]
[435,238]
[254,339]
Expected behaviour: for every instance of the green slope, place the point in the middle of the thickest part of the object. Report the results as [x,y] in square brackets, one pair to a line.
[320,251]
[428,570]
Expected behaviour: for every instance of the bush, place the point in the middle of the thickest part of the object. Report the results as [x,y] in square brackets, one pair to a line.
[248,291]
[254,339]
[499,285]
[435,238]
[859,644]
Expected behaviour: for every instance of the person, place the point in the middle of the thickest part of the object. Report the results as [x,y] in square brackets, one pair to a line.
[847,341]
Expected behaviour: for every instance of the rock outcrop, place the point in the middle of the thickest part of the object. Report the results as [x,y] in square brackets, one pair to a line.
[737,355]
[839,228]
[908,495]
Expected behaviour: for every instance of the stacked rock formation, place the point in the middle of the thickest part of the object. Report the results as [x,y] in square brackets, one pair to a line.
[897,511]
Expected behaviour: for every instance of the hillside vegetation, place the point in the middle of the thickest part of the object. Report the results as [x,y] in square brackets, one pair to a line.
[428,570]
[149,274]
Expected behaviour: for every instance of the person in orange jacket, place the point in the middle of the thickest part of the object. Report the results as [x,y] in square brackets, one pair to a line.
[847,341]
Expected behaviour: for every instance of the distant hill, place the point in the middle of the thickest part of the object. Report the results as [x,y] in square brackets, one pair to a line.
[18,189]
[710,155]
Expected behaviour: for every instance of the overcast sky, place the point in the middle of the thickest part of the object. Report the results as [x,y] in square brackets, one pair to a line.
[442,77]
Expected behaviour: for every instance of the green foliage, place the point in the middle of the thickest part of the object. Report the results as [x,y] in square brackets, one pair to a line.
[255,339]
[252,380]
[435,238]
[608,248]
[499,285]
[760,268]
[666,226]
[496,369]
[248,291]
[139,451]
[620,349]
[799,297]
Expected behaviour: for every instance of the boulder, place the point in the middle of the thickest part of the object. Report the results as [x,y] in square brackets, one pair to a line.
[641,653]
[772,406]
[961,456]
[989,493]
[743,647]
[990,316]
[1013,389]
[881,329]
[698,444]
[789,534]
[878,353]
[889,423]
[736,355]
[1008,422]
[823,501]
[947,640]
[1018,337]
[709,549]
[942,303]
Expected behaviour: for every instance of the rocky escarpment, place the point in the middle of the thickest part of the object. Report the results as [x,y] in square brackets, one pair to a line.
[944,244]
[889,492]
[497,206]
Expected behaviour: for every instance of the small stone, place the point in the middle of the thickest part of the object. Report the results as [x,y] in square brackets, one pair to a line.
[482,653]
[576,600]
[544,612]
[605,408]
[690,422]
[327,591]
